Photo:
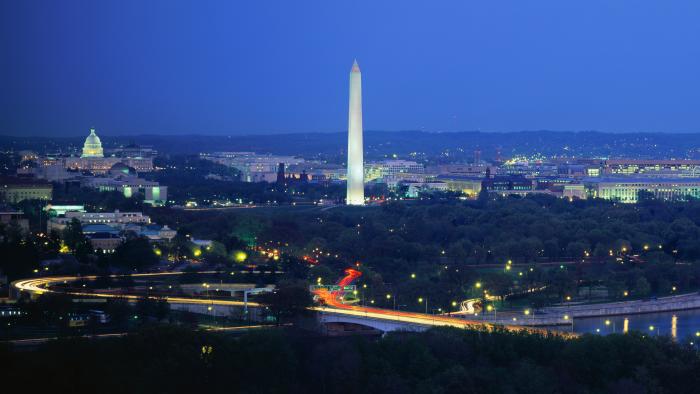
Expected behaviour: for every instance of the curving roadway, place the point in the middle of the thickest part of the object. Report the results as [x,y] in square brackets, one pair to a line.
[331,303]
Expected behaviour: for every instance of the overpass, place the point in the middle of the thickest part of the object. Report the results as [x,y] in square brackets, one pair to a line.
[332,310]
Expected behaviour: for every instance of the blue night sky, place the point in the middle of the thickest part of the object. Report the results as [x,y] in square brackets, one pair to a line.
[247,67]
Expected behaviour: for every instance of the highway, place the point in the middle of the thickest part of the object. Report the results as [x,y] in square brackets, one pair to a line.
[43,285]
[330,300]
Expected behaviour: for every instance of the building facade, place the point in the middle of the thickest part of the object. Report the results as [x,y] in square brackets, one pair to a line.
[14,190]
[628,190]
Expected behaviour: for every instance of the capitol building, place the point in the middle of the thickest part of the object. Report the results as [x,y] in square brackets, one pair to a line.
[93,159]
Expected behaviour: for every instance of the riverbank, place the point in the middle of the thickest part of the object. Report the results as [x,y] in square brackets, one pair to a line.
[562,315]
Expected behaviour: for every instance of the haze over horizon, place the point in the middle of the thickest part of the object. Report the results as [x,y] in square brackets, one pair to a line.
[229,69]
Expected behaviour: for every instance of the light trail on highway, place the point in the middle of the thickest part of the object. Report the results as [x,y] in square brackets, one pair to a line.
[42,285]
[331,301]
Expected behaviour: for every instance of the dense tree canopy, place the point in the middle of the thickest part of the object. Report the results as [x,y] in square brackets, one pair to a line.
[438,361]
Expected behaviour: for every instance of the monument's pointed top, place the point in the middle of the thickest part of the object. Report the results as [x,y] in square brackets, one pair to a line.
[355,67]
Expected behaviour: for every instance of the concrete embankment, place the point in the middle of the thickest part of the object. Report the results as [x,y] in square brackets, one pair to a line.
[562,315]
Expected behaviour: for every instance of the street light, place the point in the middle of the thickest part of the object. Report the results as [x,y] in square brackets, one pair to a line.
[388,297]
[608,322]
[490,308]
[420,301]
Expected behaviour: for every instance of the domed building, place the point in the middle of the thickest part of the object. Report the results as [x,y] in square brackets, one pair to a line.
[92,146]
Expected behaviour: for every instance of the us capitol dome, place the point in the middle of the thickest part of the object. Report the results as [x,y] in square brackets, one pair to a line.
[92,146]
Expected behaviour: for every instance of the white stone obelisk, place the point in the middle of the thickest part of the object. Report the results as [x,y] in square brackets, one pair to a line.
[356,166]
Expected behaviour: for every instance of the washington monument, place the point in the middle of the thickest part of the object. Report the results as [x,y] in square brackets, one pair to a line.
[356,168]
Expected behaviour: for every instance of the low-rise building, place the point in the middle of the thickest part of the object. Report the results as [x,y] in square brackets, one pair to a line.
[463,170]
[574,190]
[416,188]
[9,216]
[105,242]
[253,167]
[129,185]
[384,169]
[467,185]
[508,183]
[14,190]
[628,189]
[116,219]
[652,168]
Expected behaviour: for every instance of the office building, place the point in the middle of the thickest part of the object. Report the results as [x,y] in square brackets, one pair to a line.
[628,189]
[14,190]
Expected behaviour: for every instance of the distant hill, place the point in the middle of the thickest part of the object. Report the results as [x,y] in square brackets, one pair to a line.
[384,143]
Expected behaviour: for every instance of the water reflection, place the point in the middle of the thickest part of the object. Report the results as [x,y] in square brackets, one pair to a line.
[678,325]
[674,327]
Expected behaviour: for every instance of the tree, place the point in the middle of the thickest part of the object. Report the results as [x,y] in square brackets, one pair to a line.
[135,253]
[289,300]
[77,241]
[642,287]
[118,310]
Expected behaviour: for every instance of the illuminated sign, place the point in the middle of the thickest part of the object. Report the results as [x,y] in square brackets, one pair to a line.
[333,288]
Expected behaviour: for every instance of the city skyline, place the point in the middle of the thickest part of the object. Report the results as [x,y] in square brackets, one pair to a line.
[505,67]
[183,206]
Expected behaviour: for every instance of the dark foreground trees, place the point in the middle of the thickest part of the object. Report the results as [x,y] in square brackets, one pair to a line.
[290,299]
[169,359]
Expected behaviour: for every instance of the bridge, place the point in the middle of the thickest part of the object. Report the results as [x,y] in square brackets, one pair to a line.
[331,311]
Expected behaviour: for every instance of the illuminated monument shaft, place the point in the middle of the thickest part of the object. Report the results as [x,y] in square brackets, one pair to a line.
[356,171]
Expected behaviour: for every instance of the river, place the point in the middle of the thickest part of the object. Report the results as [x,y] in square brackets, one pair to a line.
[680,325]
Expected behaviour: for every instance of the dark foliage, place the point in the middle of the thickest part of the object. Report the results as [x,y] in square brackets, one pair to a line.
[168,359]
